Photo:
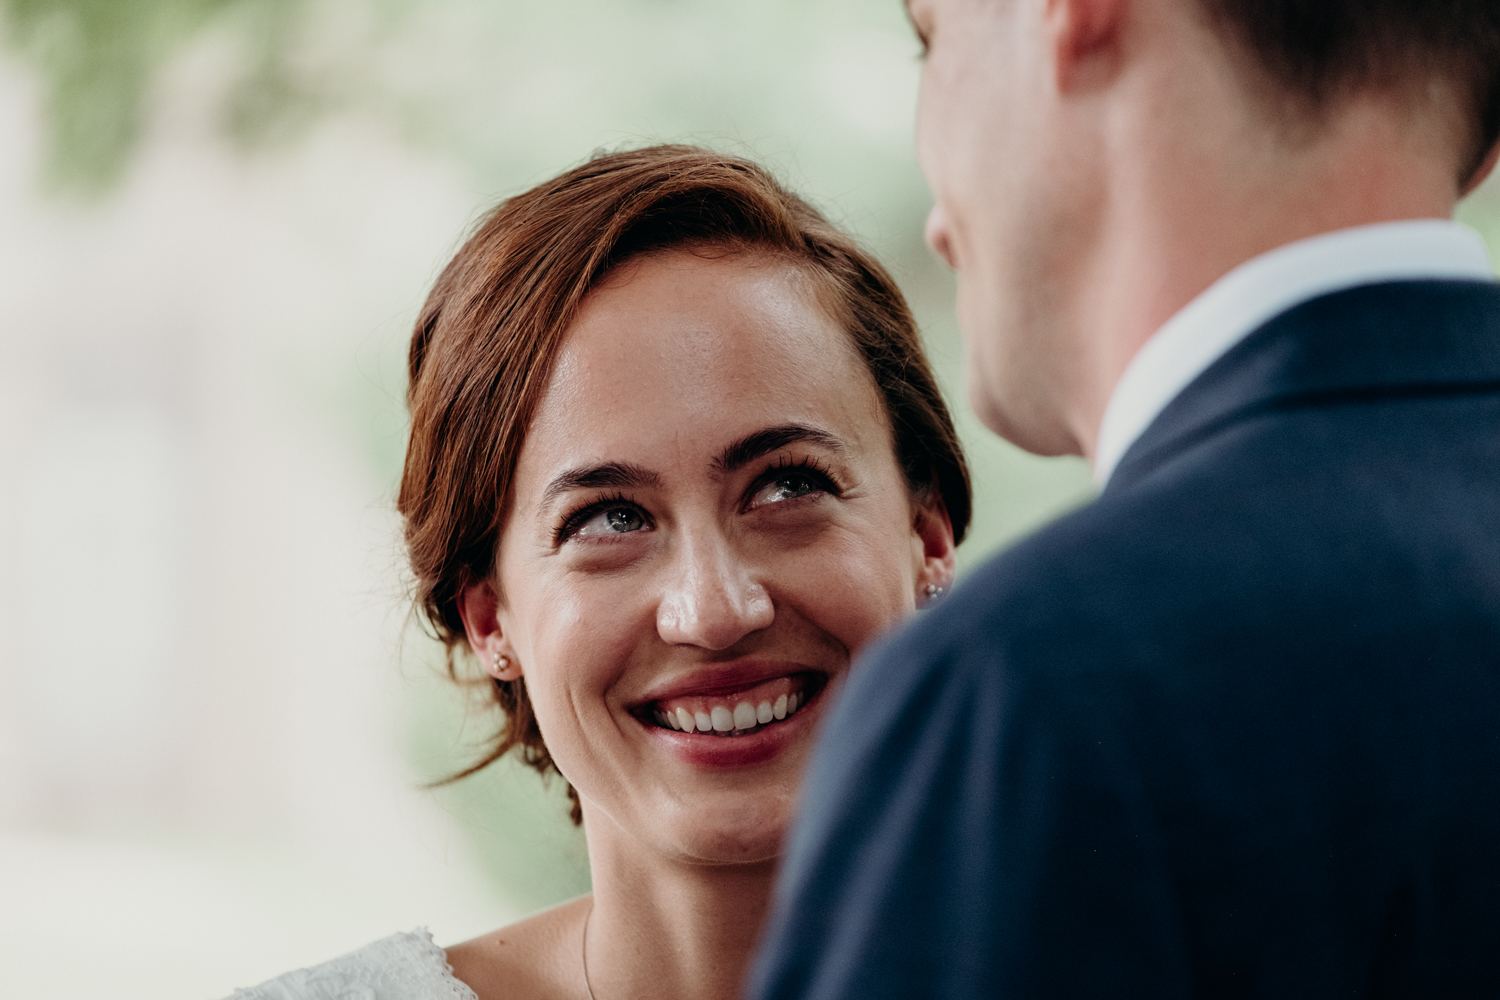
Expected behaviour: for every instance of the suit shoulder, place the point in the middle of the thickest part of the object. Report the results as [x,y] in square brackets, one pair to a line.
[1082,569]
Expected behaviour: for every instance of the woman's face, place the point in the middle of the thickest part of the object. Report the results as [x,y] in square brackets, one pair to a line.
[708,522]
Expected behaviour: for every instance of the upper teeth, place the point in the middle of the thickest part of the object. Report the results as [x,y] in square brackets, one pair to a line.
[723,719]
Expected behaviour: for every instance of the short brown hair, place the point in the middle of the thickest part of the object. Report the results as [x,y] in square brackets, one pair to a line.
[1318,50]
[487,337]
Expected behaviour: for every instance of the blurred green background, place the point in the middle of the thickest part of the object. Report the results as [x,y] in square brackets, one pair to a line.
[511,93]
[485,97]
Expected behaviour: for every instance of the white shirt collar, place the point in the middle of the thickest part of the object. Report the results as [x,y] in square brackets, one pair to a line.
[1263,288]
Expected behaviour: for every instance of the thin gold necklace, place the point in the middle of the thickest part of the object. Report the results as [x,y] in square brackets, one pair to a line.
[586,917]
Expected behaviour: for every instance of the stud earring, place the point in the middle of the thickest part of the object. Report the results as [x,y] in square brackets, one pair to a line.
[499,666]
[931,593]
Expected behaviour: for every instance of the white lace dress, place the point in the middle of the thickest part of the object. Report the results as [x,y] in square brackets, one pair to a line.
[400,967]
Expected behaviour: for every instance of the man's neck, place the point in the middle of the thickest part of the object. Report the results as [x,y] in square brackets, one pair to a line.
[1191,202]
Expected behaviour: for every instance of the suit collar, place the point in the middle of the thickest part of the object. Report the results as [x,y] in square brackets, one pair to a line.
[1264,287]
[1375,341]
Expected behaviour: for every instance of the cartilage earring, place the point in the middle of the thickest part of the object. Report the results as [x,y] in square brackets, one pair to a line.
[499,665]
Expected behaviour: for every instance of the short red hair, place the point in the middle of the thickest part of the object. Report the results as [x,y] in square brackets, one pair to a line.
[485,343]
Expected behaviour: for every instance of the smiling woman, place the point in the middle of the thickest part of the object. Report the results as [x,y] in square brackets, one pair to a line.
[676,458]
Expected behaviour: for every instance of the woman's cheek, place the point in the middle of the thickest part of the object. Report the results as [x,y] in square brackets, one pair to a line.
[578,654]
[571,635]
[855,591]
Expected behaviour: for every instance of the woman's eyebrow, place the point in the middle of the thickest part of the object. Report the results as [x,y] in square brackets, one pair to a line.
[753,446]
[619,475]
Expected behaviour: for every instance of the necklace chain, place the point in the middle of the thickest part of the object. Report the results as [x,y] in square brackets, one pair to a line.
[586,917]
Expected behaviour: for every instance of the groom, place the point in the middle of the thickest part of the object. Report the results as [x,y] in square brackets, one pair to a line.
[1234,729]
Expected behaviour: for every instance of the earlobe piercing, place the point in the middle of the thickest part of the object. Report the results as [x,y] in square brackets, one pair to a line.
[931,593]
[499,666]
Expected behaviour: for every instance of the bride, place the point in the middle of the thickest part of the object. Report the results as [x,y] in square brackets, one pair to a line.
[676,457]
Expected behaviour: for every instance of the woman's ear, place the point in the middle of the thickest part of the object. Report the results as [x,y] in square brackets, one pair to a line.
[932,530]
[479,607]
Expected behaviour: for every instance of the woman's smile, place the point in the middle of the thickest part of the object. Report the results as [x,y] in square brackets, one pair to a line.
[732,715]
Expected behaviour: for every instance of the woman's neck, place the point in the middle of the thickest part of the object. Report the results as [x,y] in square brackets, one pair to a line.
[670,927]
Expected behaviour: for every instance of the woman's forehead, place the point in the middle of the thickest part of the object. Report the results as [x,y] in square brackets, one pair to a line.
[685,354]
[692,318]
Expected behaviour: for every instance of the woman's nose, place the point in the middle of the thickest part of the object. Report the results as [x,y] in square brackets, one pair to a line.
[713,601]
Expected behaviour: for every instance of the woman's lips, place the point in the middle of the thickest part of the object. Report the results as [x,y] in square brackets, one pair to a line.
[711,716]
[747,742]
[733,713]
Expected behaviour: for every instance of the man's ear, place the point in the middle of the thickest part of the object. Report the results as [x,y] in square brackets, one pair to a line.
[1483,173]
[933,531]
[479,607]
[1086,37]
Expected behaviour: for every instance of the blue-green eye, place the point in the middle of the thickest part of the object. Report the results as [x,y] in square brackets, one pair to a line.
[613,521]
[624,519]
[785,488]
[792,483]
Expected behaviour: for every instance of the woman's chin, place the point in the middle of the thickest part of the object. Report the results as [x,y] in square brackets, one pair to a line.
[734,832]
[733,846]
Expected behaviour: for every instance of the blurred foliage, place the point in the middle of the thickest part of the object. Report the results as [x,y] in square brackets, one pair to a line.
[510,92]
[98,61]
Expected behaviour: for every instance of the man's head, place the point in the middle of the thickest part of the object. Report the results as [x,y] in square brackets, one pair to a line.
[1307,55]
[1097,163]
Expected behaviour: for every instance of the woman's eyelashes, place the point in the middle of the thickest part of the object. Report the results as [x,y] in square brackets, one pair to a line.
[792,479]
[607,518]
[603,519]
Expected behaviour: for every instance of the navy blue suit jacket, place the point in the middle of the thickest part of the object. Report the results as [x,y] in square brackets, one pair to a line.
[1232,730]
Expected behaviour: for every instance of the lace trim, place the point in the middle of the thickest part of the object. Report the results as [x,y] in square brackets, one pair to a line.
[440,966]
